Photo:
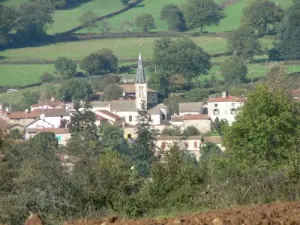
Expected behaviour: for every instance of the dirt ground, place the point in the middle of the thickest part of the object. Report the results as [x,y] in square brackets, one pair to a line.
[271,214]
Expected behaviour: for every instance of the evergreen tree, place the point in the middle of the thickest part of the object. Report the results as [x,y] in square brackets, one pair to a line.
[144,149]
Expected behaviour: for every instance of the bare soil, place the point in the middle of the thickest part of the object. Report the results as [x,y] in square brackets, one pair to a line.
[270,214]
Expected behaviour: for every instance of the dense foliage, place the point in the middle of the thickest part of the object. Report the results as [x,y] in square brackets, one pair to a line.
[145,22]
[181,56]
[76,89]
[174,17]
[234,70]
[65,66]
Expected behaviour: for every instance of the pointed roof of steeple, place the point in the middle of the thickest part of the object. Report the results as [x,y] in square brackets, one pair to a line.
[140,72]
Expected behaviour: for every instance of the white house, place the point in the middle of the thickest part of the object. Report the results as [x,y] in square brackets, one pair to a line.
[225,107]
[201,121]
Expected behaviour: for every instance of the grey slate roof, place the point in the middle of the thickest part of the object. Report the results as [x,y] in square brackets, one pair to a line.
[140,72]
[190,107]
[119,105]
[156,109]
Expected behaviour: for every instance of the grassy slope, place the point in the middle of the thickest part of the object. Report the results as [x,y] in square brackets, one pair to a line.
[124,48]
[23,74]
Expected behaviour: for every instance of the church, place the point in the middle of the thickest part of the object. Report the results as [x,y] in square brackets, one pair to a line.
[134,94]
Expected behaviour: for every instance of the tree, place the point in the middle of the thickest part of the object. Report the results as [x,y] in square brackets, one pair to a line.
[201,13]
[44,141]
[105,26]
[261,14]
[234,70]
[113,92]
[277,79]
[145,22]
[100,83]
[125,2]
[191,131]
[34,19]
[181,56]
[127,25]
[15,134]
[144,147]
[196,95]
[243,42]
[173,103]
[288,33]
[76,89]
[172,131]
[7,23]
[266,130]
[47,78]
[101,62]
[65,66]
[88,19]
[174,17]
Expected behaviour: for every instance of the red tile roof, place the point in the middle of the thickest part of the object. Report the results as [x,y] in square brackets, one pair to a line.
[195,117]
[229,98]
[112,115]
[24,115]
[213,139]
[100,117]
[52,103]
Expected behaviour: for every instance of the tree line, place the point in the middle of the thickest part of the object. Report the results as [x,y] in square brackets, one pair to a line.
[112,175]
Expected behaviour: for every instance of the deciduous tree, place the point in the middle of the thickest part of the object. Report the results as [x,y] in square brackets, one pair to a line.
[145,22]
[174,17]
[181,56]
[101,62]
[260,15]
[113,92]
[65,66]
[76,89]
[201,13]
[7,23]
[244,42]
[234,70]
[88,19]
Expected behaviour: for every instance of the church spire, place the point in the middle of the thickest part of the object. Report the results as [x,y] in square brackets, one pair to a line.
[140,72]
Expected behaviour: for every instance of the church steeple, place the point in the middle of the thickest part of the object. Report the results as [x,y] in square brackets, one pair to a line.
[140,72]
[140,84]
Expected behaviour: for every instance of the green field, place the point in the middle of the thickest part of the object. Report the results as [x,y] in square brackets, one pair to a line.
[124,48]
[23,74]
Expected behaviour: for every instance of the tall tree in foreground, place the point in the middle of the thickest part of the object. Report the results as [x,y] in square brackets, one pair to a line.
[266,130]
[244,42]
[174,17]
[144,148]
[262,15]
[201,13]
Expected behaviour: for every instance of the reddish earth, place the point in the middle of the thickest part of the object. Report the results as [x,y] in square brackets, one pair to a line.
[271,214]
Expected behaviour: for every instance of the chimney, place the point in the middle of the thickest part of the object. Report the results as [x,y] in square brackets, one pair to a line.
[225,94]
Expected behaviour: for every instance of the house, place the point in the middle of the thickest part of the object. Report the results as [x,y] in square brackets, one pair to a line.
[104,115]
[135,94]
[23,118]
[225,107]
[201,121]
[192,108]
[62,134]
[49,104]
[51,118]
[190,145]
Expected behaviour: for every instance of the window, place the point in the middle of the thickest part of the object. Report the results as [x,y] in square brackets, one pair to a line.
[216,105]
[129,136]
[195,144]
[130,118]
[186,144]
[163,145]
[216,112]
[232,111]
[163,116]
[232,105]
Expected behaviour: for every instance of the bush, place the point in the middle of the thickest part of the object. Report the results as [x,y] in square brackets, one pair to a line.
[47,78]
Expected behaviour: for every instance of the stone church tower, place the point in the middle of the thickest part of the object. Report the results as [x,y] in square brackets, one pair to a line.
[140,84]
